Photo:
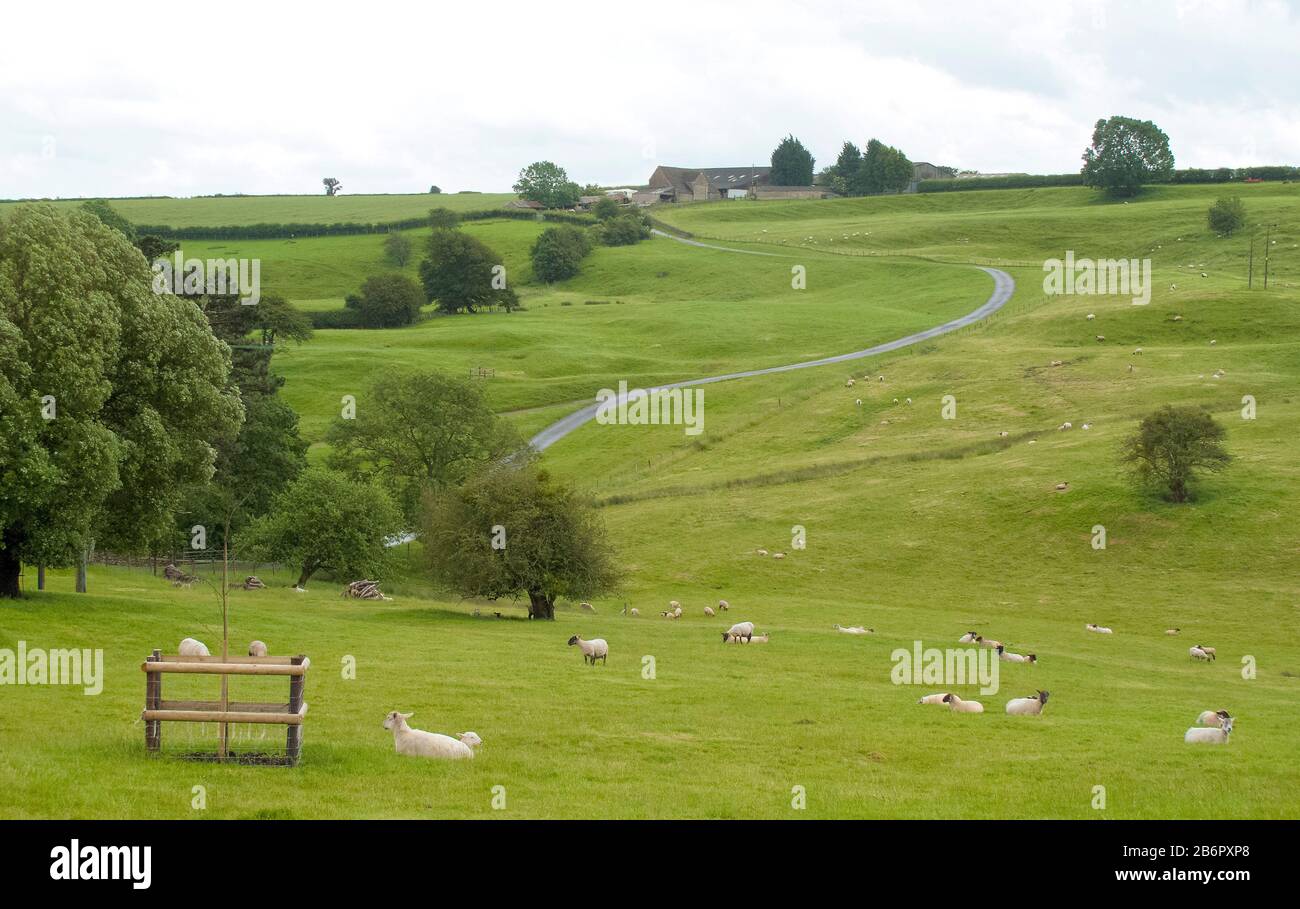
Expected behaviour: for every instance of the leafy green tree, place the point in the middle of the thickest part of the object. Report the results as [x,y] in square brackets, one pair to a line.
[558,252]
[415,431]
[325,521]
[151,246]
[1172,445]
[110,395]
[154,247]
[462,273]
[398,248]
[443,218]
[1125,154]
[554,543]
[332,186]
[1227,216]
[883,169]
[840,176]
[435,190]
[389,301]
[628,228]
[792,164]
[606,208]
[547,183]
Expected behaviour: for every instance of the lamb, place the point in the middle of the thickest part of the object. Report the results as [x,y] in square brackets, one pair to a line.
[723,605]
[1016,657]
[739,630]
[1212,736]
[760,638]
[968,638]
[418,743]
[708,610]
[257,649]
[470,738]
[1214,718]
[1031,706]
[191,647]
[854,629]
[1099,629]
[941,698]
[957,705]
[595,649]
[1201,653]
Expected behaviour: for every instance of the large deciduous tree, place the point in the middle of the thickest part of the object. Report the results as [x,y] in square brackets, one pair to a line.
[1125,154]
[884,169]
[1172,445]
[792,164]
[547,183]
[111,396]
[417,431]
[462,273]
[512,531]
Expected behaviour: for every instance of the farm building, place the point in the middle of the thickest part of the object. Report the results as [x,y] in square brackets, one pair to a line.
[699,184]
[526,204]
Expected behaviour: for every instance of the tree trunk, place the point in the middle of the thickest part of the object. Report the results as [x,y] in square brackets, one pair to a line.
[1178,490]
[40,577]
[10,567]
[81,570]
[540,606]
[304,576]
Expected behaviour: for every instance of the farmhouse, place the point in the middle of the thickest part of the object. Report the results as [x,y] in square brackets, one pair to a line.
[701,184]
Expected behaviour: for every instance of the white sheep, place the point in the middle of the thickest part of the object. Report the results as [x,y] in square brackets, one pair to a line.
[1031,706]
[853,629]
[1101,337]
[778,555]
[593,650]
[957,705]
[857,401]
[849,384]
[987,642]
[418,743]
[1016,657]
[586,607]
[1091,316]
[673,604]
[1172,631]
[1201,653]
[191,647]
[677,613]
[1087,426]
[968,638]
[760,638]
[723,605]
[761,552]
[1213,718]
[1003,434]
[708,610]
[1212,736]
[1065,426]
[1098,629]
[1137,351]
[257,649]
[739,630]
[634,611]
[941,698]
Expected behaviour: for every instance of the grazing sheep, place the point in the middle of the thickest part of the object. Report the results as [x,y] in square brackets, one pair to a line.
[673,604]
[1201,653]
[1212,736]
[969,637]
[1098,629]
[1065,426]
[677,613]
[586,607]
[858,401]
[1172,631]
[593,650]
[957,705]
[1016,657]
[739,630]
[257,648]
[634,611]
[1091,316]
[723,605]
[1101,337]
[708,610]
[849,384]
[1087,426]
[1213,717]
[1031,706]
[418,743]
[854,629]
[941,698]
[191,647]
[1003,434]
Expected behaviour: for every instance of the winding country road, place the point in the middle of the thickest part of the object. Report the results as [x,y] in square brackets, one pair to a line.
[1003,286]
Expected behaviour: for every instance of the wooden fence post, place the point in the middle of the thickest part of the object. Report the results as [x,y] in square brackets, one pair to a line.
[293,736]
[153,701]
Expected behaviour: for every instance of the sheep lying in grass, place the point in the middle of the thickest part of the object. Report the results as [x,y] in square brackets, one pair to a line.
[1211,736]
[957,705]
[593,650]
[1003,654]
[1031,706]
[987,642]
[634,611]
[853,629]
[739,630]
[1098,629]
[756,639]
[1172,631]
[940,698]
[191,647]
[418,743]
[257,649]
[1213,717]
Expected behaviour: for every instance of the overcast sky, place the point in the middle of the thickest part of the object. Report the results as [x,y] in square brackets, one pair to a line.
[97,99]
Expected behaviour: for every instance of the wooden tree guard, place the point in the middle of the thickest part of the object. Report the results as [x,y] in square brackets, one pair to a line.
[291,714]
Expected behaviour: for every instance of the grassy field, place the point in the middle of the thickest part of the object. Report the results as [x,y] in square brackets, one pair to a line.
[221,211]
[918,527]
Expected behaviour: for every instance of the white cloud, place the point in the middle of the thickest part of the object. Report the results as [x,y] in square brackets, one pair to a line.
[390,97]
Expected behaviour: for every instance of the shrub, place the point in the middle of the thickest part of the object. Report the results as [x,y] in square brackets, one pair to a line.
[1227,216]
[388,301]
[397,247]
[558,253]
[336,318]
[624,230]
[443,218]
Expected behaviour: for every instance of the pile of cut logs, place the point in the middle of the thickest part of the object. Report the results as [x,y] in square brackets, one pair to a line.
[178,577]
[364,590]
